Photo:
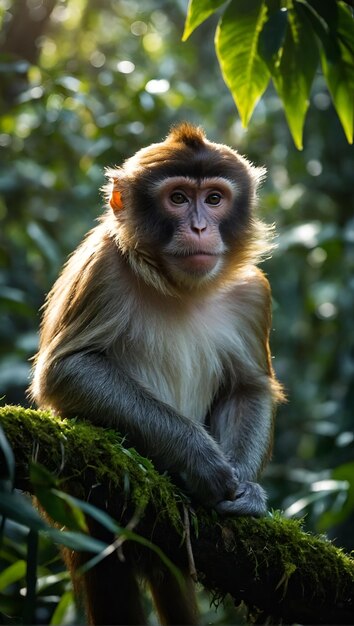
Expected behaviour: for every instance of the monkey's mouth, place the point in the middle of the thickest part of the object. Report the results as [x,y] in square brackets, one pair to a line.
[198,262]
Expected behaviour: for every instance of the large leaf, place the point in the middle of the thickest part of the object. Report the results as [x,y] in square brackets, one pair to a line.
[237,39]
[327,11]
[344,476]
[76,541]
[198,12]
[12,574]
[272,36]
[57,504]
[29,608]
[16,507]
[294,74]
[64,508]
[100,516]
[63,608]
[7,464]
[339,70]
[323,20]
[132,536]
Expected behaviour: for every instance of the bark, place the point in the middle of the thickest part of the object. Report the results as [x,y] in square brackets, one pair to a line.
[277,570]
[20,46]
[22,31]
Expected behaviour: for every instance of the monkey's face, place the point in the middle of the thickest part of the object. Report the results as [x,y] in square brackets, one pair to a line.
[185,207]
[195,210]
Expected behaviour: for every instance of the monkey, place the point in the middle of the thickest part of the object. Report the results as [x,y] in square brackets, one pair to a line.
[158,326]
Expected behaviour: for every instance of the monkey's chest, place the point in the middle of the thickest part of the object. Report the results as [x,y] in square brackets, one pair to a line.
[180,364]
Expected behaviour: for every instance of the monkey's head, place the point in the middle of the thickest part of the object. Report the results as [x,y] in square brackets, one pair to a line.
[183,209]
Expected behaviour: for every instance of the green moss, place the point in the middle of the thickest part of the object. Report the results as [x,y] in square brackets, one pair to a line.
[279,544]
[59,443]
[252,559]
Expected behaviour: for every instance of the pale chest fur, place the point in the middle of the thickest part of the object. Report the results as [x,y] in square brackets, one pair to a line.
[180,357]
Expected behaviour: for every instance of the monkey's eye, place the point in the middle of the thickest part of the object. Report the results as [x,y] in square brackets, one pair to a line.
[178,198]
[213,199]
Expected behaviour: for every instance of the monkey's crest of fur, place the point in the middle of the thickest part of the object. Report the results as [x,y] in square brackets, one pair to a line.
[192,136]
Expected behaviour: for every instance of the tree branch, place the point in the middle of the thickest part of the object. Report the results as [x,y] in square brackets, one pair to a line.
[270,564]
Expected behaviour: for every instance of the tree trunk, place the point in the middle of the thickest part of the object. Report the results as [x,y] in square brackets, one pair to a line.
[20,44]
[22,31]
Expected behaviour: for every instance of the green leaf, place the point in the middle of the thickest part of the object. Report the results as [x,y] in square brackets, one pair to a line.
[48,581]
[57,504]
[328,11]
[100,516]
[339,71]
[61,508]
[325,31]
[198,12]
[272,36]
[16,507]
[45,243]
[295,72]
[63,607]
[237,38]
[64,508]
[29,608]
[343,474]
[41,477]
[132,536]
[12,574]
[76,541]
[334,29]
[7,465]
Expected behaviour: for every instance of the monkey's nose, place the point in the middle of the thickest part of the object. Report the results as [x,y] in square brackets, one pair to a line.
[198,231]
[199,226]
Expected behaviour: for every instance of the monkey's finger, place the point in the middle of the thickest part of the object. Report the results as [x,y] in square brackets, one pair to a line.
[240,492]
[241,507]
[250,499]
[231,493]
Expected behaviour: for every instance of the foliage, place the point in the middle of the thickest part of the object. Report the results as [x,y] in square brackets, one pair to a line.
[280,568]
[261,39]
[109,78]
[73,448]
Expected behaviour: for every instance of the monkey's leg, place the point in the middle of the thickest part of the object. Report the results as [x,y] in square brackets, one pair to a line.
[109,590]
[113,595]
[173,604]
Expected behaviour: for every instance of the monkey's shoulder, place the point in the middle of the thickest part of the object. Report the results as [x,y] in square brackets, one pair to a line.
[251,287]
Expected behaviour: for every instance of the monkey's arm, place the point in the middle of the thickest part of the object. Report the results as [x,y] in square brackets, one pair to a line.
[93,386]
[243,423]
[242,416]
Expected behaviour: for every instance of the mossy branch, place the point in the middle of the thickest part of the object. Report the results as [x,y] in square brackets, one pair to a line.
[270,564]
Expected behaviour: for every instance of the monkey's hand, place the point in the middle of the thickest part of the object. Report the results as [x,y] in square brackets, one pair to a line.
[250,499]
[212,480]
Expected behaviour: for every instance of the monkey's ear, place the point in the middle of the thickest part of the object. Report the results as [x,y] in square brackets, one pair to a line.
[115,199]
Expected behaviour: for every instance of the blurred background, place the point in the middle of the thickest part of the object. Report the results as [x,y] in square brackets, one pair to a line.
[94,80]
